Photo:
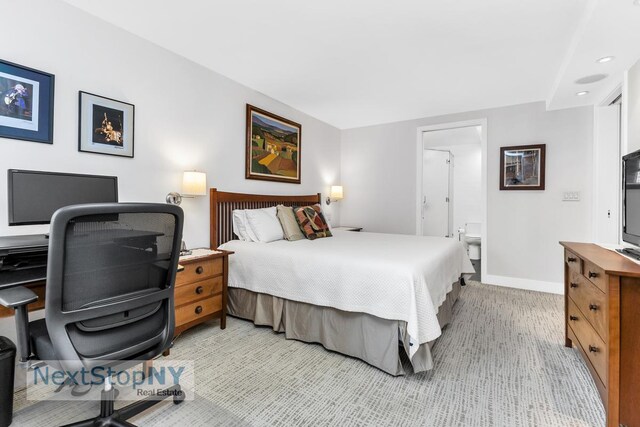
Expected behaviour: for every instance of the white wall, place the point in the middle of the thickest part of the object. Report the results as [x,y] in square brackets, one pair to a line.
[187,117]
[632,101]
[523,227]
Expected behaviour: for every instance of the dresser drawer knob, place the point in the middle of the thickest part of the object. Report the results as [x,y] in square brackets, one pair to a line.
[593,307]
[199,290]
[592,275]
[593,349]
[571,259]
[573,318]
[199,309]
[199,270]
[573,285]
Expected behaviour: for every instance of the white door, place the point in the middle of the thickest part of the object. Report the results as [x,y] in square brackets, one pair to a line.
[435,193]
[607,174]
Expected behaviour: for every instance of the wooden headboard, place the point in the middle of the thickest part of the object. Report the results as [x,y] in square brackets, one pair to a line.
[222,205]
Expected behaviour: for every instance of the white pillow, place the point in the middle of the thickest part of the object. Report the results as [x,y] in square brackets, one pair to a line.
[263,225]
[240,224]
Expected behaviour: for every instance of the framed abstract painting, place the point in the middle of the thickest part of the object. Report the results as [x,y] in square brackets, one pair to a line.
[273,147]
[26,103]
[106,126]
[522,167]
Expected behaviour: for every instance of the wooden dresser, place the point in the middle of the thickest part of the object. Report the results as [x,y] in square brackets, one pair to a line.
[602,320]
[201,291]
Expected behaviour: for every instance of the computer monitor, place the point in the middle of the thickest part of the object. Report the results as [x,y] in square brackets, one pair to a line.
[35,195]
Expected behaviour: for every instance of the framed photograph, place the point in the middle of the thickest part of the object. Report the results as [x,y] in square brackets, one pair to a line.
[26,103]
[273,147]
[106,126]
[522,167]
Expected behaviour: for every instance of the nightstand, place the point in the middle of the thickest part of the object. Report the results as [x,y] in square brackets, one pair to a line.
[201,290]
[349,228]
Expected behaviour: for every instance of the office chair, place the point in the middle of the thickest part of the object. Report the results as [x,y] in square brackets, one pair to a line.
[109,294]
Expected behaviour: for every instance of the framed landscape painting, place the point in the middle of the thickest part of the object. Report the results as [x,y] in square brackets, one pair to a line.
[106,126]
[273,147]
[522,167]
[26,103]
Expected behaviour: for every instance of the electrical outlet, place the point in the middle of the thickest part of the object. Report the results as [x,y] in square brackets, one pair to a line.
[571,196]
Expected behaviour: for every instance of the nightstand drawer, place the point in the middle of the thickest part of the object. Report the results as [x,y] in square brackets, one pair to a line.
[195,291]
[197,271]
[591,301]
[190,312]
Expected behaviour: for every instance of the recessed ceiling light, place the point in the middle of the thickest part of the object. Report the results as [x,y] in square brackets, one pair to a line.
[583,93]
[591,79]
[607,58]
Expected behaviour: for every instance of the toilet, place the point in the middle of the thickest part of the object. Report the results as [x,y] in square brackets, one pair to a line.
[472,238]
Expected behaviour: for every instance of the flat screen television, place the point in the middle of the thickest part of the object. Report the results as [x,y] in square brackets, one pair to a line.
[34,195]
[631,202]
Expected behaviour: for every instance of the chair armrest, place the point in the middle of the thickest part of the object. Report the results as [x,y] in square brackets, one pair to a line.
[17,296]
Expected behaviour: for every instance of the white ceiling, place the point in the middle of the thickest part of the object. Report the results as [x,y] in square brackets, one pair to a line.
[361,62]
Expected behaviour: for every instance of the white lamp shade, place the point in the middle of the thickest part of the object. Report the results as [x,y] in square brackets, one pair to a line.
[336,192]
[194,183]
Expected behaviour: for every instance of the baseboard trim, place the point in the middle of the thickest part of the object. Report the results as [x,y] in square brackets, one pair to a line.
[526,284]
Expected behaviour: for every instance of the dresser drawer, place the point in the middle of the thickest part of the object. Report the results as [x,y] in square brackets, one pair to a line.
[194,291]
[591,343]
[591,301]
[197,271]
[190,312]
[595,275]
[573,261]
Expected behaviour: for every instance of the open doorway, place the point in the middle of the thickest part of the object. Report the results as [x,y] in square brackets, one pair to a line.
[452,186]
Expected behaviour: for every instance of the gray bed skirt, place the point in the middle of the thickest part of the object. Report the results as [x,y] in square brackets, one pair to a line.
[372,339]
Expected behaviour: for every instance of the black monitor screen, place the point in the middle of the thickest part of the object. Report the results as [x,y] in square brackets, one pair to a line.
[631,205]
[34,196]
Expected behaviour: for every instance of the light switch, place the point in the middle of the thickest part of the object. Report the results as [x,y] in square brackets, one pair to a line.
[571,196]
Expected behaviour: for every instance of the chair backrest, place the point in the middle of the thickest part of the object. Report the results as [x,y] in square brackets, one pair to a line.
[110,281]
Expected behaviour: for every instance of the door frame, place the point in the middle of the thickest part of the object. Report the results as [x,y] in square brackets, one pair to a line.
[482,122]
[608,101]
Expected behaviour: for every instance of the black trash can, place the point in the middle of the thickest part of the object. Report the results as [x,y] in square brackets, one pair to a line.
[7,372]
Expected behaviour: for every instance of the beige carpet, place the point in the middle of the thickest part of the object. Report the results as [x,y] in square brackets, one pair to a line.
[500,363]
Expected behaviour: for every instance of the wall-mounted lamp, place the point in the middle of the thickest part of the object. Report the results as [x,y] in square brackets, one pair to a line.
[336,194]
[194,184]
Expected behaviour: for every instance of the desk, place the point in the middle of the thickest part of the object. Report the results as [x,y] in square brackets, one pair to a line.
[30,250]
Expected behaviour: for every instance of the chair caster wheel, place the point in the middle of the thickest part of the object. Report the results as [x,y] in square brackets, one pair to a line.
[178,398]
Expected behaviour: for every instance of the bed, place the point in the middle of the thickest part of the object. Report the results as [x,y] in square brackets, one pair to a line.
[367,295]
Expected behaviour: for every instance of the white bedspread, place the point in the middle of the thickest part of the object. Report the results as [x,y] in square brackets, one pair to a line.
[392,276]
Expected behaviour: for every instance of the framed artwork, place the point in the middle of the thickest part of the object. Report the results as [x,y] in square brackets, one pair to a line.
[106,126]
[26,103]
[273,147]
[522,167]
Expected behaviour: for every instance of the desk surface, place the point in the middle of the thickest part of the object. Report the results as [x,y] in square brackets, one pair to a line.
[17,244]
[27,250]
